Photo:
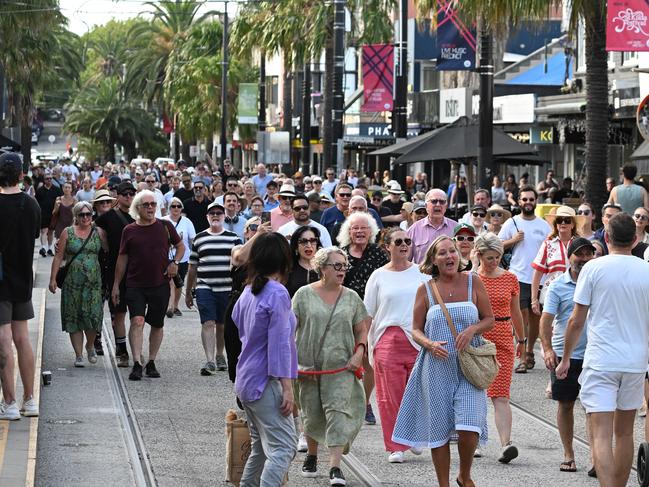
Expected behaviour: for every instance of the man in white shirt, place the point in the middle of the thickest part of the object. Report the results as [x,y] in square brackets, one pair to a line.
[86,193]
[613,294]
[330,184]
[301,218]
[175,186]
[481,197]
[524,235]
[70,171]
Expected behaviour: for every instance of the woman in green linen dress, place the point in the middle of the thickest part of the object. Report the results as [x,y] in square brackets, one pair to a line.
[331,334]
[81,304]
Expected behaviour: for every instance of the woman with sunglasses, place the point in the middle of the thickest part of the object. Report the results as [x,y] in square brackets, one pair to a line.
[464,236]
[477,220]
[305,242]
[331,336]
[641,218]
[389,299]
[81,295]
[496,216]
[587,212]
[185,229]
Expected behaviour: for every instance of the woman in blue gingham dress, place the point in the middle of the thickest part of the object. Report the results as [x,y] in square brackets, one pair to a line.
[436,385]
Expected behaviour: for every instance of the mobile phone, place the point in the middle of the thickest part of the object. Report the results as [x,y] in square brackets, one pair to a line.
[265,216]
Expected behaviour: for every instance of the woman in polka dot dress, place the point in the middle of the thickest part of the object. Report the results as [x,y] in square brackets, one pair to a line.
[439,403]
[503,290]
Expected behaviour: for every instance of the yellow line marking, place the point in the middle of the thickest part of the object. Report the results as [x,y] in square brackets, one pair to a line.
[4,425]
[33,426]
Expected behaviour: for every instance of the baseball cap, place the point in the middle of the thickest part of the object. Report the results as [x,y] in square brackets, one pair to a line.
[215,204]
[463,226]
[11,160]
[579,243]
[114,181]
[314,198]
[124,186]
[317,179]
[419,205]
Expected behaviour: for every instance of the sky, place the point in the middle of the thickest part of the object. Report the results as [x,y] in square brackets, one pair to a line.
[84,14]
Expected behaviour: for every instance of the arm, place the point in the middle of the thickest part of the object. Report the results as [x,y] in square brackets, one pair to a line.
[545,328]
[360,339]
[437,349]
[120,269]
[612,196]
[392,218]
[241,255]
[645,198]
[573,333]
[189,287]
[58,258]
[536,282]
[453,195]
[517,320]
[485,313]
[280,347]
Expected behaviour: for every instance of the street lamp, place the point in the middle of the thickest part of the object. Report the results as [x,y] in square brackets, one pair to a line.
[224,88]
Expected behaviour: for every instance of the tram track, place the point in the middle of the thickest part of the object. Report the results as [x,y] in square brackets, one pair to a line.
[137,452]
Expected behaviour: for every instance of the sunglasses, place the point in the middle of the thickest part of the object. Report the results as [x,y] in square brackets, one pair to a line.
[528,200]
[563,221]
[345,195]
[175,206]
[149,204]
[583,212]
[128,194]
[437,202]
[232,184]
[465,238]
[317,182]
[187,181]
[400,241]
[199,188]
[85,215]
[286,198]
[339,266]
[496,214]
[421,211]
[253,227]
[640,217]
[301,208]
[216,213]
[150,181]
[479,214]
[308,241]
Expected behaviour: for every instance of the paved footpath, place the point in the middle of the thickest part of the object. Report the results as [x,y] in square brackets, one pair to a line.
[84,434]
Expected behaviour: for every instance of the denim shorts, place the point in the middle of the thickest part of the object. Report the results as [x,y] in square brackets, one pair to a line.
[211,305]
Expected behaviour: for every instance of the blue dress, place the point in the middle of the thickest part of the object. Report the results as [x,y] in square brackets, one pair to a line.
[439,400]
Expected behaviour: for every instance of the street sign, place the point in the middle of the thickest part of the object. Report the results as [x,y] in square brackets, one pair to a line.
[51,139]
[541,135]
[193,151]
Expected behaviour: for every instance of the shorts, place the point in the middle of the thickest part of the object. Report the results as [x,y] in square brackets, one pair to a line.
[604,392]
[15,311]
[150,302]
[179,280]
[525,297]
[121,306]
[211,305]
[567,389]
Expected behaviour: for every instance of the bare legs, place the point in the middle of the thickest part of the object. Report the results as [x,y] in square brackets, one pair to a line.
[566,423]
[7,364]
[136,339]
[503,417]
[466,445]
[613,465]
[208,337]
[20,333]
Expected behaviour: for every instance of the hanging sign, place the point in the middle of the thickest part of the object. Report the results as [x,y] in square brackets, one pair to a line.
[247,107]
[456,40]
[378,76]
[627,25]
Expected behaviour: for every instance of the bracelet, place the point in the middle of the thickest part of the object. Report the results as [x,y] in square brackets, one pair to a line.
[535,301]
[361,344]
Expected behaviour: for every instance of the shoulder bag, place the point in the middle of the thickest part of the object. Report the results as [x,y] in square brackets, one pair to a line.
[63,270]
[478,364]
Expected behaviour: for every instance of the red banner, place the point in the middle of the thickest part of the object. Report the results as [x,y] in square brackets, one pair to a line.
[378,75]
[627,25]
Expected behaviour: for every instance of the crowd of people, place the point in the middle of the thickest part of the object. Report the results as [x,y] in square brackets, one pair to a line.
[313,292]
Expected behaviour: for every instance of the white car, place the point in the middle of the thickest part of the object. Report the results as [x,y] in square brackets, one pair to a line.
[34,138]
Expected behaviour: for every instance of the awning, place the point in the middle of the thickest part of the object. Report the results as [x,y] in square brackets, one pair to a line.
[403,146]
[548,73]
[7,144]
[641,152]
[561,108]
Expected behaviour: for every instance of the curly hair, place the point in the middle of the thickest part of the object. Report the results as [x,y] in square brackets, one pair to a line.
[344,237]
[321,257]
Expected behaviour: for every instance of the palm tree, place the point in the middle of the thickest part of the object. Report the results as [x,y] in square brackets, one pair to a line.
[501,14]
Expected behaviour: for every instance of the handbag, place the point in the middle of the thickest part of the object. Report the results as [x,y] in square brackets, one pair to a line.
[63,270]
[478,364]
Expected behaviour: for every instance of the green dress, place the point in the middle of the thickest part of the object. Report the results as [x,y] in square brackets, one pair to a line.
[81,304]
[333,406]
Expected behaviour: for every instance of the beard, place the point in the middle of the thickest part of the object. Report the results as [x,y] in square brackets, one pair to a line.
[577,267]
[528,210]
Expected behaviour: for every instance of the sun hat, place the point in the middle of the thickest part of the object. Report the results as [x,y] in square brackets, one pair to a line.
[317,179]
[286,190]
[506,213]
[395,188]
[215,204]
[102,195]
[565,211]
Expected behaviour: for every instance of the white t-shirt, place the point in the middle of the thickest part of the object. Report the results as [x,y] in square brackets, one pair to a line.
[288,228]
[186,231]
[389,300]
[83,195]
[162,203]
[616,287]
[524,252]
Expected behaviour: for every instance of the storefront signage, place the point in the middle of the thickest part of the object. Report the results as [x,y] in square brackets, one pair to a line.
[452,104]
[542,135]
[248,103]
[509,109]
[627,25]
[368,132]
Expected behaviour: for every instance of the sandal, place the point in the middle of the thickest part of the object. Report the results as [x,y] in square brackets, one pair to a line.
[529,360]
[592,472]
[521,368]
[568,466]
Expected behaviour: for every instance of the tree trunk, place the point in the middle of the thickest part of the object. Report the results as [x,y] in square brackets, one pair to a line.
[305,119]
[184,152]
[327,99]
[109,150]
[25,119]
[130,149]
[596,105]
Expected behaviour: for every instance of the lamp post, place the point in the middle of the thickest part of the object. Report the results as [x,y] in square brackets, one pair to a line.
[224,87]
[485,134]
[337,92]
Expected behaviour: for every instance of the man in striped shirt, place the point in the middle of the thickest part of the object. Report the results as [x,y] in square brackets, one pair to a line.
[209,277]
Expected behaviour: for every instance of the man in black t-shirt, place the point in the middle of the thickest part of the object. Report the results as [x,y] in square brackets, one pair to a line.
[393,204]
[46,196]
[113,223]
[19,226]
[196,208]
[185,192]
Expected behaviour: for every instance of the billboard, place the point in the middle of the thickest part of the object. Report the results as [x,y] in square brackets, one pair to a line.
[627,26]
[456,40]
[378,77]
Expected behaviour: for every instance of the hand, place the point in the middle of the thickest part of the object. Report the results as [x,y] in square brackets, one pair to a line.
[550,358]
[536,308]
[264,228]
[172,270]
[438,350]
[189,300]
[356,362]
[562,369]
[53,286]
[520,350]
[286,407]
[520,235]
[464,338]
[115,295]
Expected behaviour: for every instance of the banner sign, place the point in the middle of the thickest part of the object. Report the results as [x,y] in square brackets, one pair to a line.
[541,134]
[247,110]
[456,41]
[627,25]
[378,75]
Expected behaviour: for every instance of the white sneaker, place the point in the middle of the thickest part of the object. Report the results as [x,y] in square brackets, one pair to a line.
[477,453]
[396,457]
[9,411]
[416,451]
[301,444]
[29,408]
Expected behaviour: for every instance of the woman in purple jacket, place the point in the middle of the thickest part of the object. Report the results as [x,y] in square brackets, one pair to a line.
[268,361]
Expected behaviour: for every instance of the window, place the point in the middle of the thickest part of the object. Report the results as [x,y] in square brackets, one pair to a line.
[630,58]
[429,78]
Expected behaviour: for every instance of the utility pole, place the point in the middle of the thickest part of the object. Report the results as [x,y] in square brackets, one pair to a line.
[338,94]
[224,88]
[262,93]
[485,134]
[305,119]
[400,110]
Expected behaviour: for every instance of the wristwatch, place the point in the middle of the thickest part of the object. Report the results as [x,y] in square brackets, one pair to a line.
[175,262]
[523,341]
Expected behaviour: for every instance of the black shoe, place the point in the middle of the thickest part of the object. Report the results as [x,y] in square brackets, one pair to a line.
[177,312]
[122,359]
[310,467]
[336,477]
[136,373]
[170,313]
[151,371]
[43,252]
[99,348]
[369,415]
[50,253]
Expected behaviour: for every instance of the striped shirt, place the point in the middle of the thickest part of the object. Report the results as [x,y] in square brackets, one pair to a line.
[211,256]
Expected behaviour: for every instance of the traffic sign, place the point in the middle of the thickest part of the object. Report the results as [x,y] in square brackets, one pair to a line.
[51,139]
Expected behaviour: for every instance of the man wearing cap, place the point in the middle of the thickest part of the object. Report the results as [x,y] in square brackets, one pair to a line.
[195,208]
[301,218]
[612,293]
[419,210]
[261,179]
[464,236]
[234,221]
[271,201]
[423,232]
[315,213]
[308,185]
[376,204]
[393,204]
[46,197]
[86,193]
[317,188]
[209,278]
[284,212]
[113,223]
[481,197]
[19,227]
[556,310]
